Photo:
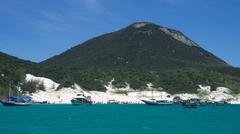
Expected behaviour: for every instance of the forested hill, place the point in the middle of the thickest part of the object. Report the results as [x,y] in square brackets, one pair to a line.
[138,54]
[141,45]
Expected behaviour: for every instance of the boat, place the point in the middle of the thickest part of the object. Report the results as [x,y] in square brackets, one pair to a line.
[157,102]
[190,103]
[81,99]
[153,101]
[17,100]
[220,103]
[112,102]
[199,102]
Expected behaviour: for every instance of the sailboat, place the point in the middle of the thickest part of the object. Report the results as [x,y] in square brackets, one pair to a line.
[161,101]
[17,100]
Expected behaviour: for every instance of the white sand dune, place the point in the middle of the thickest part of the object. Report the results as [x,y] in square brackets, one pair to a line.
[64,95]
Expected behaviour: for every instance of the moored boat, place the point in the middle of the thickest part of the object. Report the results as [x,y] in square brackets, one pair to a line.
[81,99]
[190,103]
[220,103]
[17,101]
[153,101]
[112,101]
[157,102]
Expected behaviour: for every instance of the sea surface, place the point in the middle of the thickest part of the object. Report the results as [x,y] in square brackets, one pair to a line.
[119,119]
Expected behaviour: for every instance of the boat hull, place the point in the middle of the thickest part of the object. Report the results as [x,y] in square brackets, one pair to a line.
[189,104]
[77,103]
[11,103]
[157,103]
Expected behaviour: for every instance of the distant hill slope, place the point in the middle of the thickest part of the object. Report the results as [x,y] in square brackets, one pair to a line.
[12,72]
[142,53]
[8,61]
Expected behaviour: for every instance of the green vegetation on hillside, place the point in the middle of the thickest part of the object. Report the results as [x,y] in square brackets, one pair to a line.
[139,56]
[12,74]
[142,48]
[172,80]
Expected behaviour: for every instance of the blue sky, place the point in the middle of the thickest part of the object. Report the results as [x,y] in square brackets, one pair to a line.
[38,29]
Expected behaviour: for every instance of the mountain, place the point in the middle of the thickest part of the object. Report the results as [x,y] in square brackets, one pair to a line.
[141,45]
[141,53]
[136,55]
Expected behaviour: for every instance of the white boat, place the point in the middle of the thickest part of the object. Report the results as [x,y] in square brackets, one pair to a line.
[153,101]
[112,102]
[157,102]
[81,99]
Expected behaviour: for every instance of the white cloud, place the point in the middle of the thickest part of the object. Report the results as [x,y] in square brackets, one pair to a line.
[177,2]
[51,15]
[93,5]
[94,9]
[51,20]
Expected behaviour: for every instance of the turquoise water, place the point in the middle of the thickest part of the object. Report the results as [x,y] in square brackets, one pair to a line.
[119,119]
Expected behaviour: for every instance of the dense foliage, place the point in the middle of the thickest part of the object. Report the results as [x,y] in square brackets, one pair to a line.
[172,80]
[12,74]
[141,48]
[138,56]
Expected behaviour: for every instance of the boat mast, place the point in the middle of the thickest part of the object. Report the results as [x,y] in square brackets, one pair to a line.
[161,95]
[17,93]
[9,91]
[152,93]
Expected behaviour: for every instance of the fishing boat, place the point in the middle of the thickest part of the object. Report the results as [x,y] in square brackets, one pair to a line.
[203,103]
[220,103]
[190,103]
[153,101]
[16,100]
[157,102]
[112,101]
[81,99]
